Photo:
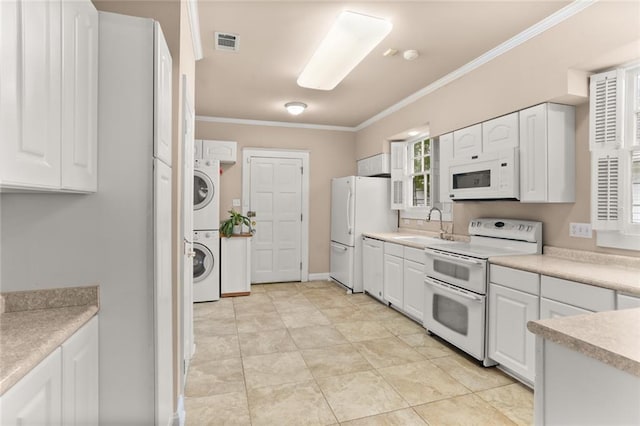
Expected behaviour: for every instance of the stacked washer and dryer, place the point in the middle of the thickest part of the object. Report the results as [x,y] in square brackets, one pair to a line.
[206,224]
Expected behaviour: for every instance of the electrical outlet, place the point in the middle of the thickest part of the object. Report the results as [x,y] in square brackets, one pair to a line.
[235,202]
[580,230]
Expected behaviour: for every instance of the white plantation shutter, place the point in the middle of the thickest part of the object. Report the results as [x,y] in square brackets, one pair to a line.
[398,165]
[605,190]
[605,106]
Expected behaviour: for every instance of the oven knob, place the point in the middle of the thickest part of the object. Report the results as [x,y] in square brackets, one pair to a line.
[529,228]
[499,224]
[521,227]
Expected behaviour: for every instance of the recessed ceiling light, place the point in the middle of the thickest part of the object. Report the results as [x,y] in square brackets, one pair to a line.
[349,41]
[295,108]
[410,55]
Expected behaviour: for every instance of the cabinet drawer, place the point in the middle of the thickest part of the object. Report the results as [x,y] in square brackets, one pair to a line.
[528,282]
[373,242]
[415,255]
[394,249]
[584,296]
[625,301]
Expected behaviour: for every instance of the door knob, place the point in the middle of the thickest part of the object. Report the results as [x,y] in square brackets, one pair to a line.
[251,214]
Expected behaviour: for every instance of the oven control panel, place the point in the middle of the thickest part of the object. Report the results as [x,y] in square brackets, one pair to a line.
[512,229]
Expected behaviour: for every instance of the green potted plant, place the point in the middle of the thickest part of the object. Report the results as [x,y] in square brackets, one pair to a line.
[233,225]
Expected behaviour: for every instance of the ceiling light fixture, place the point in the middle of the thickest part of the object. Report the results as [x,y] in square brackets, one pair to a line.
[351,38]
[295,108]
[410,55]
[413,133]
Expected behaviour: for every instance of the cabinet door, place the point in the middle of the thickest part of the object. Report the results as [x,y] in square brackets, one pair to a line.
[393,280]
[624,301]
[80,376]
[36,398]
[414,289]
[500,133]
[533,154]
[467,142]
[162,101]
[79,96]
[553,309]
[445,151]
[235,265]
[30,94]
[510,343]
[372,267]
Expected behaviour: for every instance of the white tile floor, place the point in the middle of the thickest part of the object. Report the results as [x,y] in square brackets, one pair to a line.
[311,354]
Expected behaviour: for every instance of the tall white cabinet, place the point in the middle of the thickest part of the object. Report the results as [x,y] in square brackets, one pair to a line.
[48,95]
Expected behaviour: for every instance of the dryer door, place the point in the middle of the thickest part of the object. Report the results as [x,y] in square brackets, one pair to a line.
[203,190]
[203,262]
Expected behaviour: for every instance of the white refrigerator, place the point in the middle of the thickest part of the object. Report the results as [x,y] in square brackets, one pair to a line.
[358,204]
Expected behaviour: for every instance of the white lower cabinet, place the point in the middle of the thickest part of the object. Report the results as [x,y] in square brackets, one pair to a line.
[561,298]
[393,280]
[626,301]
[80,376]
[414,283]
[513,301]
[373,267]
[36,398]
[235,266]
[553,309]
[62,389]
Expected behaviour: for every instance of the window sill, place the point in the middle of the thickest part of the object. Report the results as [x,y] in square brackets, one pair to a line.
[615,239]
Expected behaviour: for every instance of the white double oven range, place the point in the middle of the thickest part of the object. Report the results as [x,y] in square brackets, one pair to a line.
[456,279]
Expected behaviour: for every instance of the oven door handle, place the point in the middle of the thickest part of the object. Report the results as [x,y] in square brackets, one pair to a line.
[454,258]
[448,289]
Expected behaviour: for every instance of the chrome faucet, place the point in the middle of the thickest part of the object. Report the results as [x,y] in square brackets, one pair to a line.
[442,231]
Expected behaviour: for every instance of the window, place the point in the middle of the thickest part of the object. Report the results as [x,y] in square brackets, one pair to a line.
[420,172]
[615,151]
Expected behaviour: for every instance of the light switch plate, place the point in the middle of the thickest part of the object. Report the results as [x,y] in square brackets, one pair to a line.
[580,230]
[236,202]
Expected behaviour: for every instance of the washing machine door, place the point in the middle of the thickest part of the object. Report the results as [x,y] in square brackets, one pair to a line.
[203,262]
[203,189]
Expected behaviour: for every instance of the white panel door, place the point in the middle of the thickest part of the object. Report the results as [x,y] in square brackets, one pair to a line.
[276,199]
[162,93]
[163,296]
[30,85]
[79,96]
[80,377]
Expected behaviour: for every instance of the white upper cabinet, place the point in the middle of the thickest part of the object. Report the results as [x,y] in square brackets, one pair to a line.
[500,133]
[79,96]
[48,95]
[547,154]
[374,165]
[467,142]
[445,149]
[30,87]
[224,151]
[162,92]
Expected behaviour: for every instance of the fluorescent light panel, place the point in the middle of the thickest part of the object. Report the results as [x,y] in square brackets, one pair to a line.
[352,37]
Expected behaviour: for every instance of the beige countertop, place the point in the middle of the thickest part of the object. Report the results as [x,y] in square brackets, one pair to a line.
[397,237]
[621,273]
[34,323]
[610,337]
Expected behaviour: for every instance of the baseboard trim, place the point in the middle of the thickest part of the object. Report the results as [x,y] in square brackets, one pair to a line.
[179,417]
[323,276]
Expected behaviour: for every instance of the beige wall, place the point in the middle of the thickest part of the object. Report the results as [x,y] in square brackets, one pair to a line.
[332,154]
[540,70]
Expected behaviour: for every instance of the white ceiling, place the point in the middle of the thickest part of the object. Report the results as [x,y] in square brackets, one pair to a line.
[278,38]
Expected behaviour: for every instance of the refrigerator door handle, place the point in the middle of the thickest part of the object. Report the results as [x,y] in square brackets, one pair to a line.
[349,227]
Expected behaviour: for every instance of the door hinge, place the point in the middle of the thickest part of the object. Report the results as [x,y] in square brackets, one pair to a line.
[301,170]
[301,266]
[300,217]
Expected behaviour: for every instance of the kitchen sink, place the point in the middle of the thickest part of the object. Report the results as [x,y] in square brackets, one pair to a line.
[418,239]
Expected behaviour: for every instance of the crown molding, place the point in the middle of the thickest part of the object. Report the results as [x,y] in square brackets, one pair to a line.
[274,123]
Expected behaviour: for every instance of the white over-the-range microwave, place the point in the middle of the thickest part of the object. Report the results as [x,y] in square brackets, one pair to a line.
[487,176]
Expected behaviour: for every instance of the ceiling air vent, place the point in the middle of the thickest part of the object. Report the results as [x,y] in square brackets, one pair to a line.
[227,41]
